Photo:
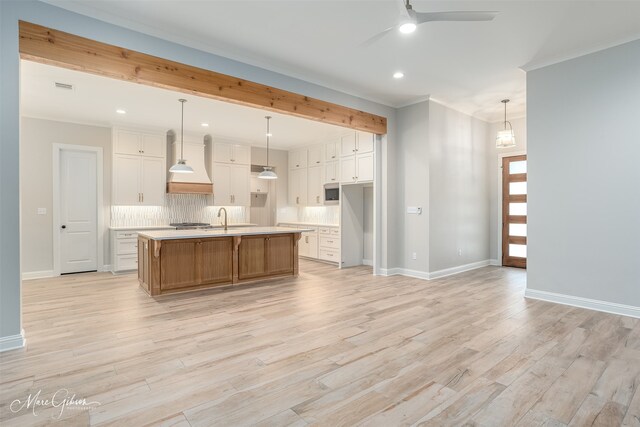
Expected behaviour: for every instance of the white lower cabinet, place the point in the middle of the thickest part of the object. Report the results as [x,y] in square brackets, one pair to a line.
[321,242]
[308,244]
[124,250]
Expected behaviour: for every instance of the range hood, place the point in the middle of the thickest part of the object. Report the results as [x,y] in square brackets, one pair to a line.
[197,182]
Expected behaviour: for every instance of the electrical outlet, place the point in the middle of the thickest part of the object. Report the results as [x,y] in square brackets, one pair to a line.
[414,256]
[459,252]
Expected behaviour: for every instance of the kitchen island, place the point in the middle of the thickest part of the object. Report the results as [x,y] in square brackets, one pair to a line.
[172,261]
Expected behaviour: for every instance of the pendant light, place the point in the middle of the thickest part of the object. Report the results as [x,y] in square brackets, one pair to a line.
[181,166]
[268,172]
[505,137]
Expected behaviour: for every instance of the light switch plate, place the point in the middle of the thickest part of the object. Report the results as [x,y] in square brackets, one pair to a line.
[42,211]
[414,210]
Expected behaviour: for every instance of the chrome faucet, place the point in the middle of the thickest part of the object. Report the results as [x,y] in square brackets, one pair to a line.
[225,217]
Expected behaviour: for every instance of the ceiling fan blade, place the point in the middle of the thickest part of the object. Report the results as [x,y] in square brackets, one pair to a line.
[377,37]
[455,16]
[402,8]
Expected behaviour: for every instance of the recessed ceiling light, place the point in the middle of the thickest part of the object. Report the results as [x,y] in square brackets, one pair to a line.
[398,75]
[121,111]
[204,125]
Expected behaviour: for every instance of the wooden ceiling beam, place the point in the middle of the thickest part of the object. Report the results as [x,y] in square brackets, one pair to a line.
[49,46]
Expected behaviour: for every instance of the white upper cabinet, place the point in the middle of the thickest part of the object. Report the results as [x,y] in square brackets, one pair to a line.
[315,186]
[348,144]
[139,143]
[298,159]
[298,187]
[332,151]
[365,142]
[331,172]
[231,184]
[315,155]
[231,153]
[138,180]
[348,170]
[259,186]
[364,167]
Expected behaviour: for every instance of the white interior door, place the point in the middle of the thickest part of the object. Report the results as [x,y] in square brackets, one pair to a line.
[78,211]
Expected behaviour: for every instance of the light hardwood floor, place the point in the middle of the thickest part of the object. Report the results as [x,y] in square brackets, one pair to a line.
[332,347]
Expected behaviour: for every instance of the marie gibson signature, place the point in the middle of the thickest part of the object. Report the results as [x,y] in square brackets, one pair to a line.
[61,399]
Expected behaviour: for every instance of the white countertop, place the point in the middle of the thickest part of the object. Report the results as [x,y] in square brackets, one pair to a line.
[309,223]
[168,227]
[197,234]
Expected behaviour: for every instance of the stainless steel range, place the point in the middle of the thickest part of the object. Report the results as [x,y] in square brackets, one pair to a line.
[191,225]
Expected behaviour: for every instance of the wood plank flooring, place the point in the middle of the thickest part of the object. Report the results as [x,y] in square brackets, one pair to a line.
[332,347]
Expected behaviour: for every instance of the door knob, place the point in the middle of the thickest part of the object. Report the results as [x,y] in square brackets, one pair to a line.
[63,227]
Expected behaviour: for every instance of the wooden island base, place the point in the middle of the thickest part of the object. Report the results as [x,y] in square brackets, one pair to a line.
[177,265]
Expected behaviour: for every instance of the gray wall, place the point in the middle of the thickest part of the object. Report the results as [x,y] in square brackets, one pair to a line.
[51,16]
[495,176]
[36,170]
[413,185]
[584,181]
[458,189]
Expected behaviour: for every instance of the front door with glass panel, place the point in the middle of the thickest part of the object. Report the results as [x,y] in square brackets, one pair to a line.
[514,211]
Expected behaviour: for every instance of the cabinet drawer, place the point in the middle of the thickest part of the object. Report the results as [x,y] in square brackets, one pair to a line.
[129,234]
[329,242]
[127,262]
[329,255]
[330,231]
[312,229]
[126,246]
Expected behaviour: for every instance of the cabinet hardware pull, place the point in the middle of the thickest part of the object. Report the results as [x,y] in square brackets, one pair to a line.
[317,199]
[142,197]
[333,157]
[317,161]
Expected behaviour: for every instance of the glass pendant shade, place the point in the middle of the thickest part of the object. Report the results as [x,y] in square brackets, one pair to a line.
[268,172]
[505,139]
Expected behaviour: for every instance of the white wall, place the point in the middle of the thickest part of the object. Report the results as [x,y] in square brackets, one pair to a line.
[413,185]
[36,171]
[51,16]
[458,189]
[495,177]
[583,125]
[368,223]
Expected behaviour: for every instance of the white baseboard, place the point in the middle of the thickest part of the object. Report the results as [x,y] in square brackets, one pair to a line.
[435,274]
[495,262]
[30,275]
[367,262]
[12,342]
[591,304]
[106,268]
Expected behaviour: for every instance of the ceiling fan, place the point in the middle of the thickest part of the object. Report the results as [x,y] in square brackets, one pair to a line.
[410,19]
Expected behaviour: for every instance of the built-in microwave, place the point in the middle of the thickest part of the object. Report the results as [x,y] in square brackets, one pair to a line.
[331,194]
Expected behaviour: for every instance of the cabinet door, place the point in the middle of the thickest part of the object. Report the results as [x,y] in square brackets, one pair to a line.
[364,168]
[221,184]
[303,245]
[313,245]
[178,264]
[298,159]
[240,188]
[365,142]
[298,187]
[252,259]
[332,151]
[214,260]
[127,174]
[348,144]
[153,145]
[315,186]
[241,155]
[280,254]
[348,169]
[153,182]
[331,174]
[127,142]
[222,153]
[258,185]
[315,155]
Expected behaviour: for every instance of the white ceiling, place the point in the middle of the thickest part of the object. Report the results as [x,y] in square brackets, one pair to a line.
[95,99]
[468,66]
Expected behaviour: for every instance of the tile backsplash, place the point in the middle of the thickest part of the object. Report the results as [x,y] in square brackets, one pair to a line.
[328,215]
[177,208]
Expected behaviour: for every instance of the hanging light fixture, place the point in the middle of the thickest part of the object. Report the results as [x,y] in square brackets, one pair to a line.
[181,166]
[268,172]
[505,137]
